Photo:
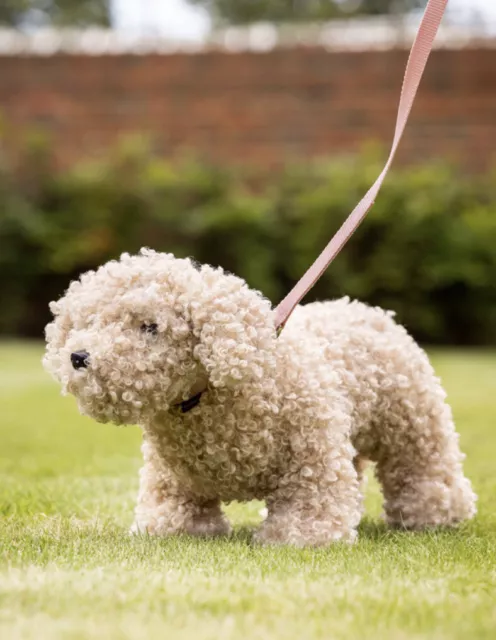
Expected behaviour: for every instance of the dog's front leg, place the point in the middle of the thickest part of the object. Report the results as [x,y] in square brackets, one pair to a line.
[315,505]
[165,509]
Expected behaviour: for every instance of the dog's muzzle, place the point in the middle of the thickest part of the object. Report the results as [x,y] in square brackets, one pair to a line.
[80,359]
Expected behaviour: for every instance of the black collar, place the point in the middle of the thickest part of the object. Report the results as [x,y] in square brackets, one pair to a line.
[189,404]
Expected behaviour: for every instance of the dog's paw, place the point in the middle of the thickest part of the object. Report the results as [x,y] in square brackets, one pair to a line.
[202,527]
[318,535]
[208,528]
[137,529]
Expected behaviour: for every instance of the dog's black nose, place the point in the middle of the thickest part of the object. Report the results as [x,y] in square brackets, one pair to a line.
[80,359]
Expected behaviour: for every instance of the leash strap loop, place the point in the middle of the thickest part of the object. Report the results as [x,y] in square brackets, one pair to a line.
[417,60]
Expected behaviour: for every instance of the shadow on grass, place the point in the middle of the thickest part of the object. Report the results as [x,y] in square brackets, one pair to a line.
[378,530]
[371,531]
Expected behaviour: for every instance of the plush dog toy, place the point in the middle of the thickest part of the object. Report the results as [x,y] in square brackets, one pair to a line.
[232,411]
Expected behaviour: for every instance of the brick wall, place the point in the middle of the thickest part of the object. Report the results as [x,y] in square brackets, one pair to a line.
[255,107]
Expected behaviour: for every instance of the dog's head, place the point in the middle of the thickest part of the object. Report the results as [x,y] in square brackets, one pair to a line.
[142,334]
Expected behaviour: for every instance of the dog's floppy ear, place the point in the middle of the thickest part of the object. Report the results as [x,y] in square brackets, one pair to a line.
[235,329]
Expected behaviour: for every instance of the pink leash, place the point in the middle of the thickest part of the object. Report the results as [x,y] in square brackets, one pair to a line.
[417,60]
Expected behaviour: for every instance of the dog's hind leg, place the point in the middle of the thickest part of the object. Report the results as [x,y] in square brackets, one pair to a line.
[419,462]
[164,508]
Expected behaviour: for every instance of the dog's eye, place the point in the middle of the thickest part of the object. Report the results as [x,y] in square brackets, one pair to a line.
[149,328]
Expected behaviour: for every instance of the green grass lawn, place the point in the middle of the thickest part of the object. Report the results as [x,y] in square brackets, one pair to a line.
[68,568]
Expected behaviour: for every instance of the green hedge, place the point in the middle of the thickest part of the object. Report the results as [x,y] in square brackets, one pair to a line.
[426,250]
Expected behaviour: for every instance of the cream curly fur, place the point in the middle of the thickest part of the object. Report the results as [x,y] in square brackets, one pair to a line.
[288,419]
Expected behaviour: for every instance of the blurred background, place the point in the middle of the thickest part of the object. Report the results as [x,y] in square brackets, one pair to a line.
[242,133]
